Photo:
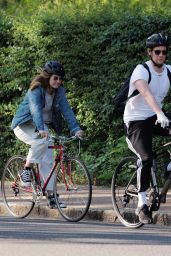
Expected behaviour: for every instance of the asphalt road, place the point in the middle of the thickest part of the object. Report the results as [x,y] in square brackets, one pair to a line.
[51,237]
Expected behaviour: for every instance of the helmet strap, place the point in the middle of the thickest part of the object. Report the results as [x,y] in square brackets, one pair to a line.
[155,64]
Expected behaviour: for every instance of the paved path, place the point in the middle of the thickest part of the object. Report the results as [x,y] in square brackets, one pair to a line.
[31,236]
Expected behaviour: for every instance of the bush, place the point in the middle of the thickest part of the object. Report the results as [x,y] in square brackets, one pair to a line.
[98,49]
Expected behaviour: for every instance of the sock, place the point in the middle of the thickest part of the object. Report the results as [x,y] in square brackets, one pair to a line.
[27,168]
[142,199]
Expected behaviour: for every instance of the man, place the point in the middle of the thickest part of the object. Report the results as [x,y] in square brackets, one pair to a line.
[143,115]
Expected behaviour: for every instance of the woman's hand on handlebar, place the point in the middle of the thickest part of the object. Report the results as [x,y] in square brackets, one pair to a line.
[79,134]
[43,134]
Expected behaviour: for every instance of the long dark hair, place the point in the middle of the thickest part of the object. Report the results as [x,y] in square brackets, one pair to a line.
[41,80]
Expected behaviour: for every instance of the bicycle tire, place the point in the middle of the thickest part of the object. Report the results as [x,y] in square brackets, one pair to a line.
[77,196]
[18,200]
[124,192]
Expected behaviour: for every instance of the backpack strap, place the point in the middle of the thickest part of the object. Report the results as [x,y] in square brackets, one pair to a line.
[147,67]
[149,79]
[169,74]
[136,92]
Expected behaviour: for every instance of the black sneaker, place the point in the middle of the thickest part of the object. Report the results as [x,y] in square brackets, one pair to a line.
[52,202]
[144,214]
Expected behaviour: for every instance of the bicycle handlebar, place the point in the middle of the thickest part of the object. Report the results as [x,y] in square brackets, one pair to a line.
[64,139]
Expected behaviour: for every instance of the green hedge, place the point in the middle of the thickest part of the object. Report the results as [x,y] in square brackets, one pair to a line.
[98,50]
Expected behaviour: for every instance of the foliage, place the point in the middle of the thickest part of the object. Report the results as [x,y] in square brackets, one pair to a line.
[98,43]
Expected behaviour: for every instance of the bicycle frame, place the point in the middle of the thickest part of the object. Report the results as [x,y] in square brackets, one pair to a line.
[154,184]
[71,183]
[124,186]
[159,197]
[59,158]
[167,183]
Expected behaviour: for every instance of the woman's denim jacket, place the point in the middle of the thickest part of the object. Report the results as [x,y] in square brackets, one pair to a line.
[33,103]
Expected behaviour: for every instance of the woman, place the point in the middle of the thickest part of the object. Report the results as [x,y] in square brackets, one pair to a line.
[41,107]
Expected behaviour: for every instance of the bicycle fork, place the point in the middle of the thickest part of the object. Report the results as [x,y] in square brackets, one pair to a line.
[154,196]
[67,178]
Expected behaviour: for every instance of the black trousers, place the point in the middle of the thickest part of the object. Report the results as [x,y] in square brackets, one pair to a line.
[139,138]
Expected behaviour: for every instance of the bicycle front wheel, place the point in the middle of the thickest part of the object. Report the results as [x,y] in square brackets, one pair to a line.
[73,190]
[18,199]
[124,192]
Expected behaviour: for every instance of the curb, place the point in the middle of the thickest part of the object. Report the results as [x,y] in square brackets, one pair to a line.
[109,216]
[162,218]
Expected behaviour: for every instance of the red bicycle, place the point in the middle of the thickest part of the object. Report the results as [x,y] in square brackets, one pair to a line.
[72,184]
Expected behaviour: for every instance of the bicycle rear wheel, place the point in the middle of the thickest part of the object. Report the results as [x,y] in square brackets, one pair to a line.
[124,192]
[18,200]
[73,189]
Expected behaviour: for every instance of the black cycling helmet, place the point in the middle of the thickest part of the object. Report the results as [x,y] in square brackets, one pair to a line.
[157,40]
[54,67]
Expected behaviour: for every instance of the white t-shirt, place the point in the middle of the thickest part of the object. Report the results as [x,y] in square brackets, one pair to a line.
[137,108]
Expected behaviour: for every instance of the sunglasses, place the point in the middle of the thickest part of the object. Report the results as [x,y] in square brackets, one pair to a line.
[60,78]
[157,52]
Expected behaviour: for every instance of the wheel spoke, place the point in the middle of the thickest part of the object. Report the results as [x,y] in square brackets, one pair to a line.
[124,192]
[73,187]
[18,200]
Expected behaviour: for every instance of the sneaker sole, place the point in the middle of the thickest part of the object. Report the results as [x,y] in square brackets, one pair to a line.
[24,184]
